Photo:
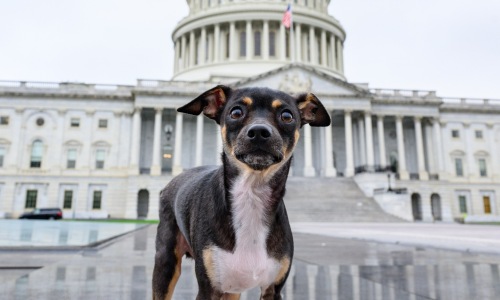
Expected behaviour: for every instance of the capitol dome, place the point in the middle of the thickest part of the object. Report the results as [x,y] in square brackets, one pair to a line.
[228,40]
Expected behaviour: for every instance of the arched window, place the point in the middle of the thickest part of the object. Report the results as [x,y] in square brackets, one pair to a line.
[36,154]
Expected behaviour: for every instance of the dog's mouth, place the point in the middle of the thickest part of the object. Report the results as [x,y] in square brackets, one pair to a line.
[259,160]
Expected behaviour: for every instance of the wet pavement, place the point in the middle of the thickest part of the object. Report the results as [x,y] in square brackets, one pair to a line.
[61,234]
[324,268]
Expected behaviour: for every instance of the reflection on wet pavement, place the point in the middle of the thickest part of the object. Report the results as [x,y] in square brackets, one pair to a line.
[324,268]
[40,233]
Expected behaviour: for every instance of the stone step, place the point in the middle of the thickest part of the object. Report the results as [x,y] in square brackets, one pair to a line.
[331,200]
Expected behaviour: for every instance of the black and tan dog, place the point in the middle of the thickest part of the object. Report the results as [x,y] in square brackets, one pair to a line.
[231,219]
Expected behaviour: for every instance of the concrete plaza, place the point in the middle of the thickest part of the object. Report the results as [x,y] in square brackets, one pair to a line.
[332,261]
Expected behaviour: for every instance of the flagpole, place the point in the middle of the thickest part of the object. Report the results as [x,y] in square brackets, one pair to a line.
[292,48]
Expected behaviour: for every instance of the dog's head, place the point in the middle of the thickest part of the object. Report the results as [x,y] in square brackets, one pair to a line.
[259,126]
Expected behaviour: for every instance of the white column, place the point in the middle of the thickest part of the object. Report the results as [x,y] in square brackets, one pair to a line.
[232,41]
[177,56]
[18,129]
[192,48]
[312,48]
[183,54]
[219,147]
[217,43]
[177,165]
[329,169]
[283,44]
[298,43]
[135,142]
[362,142]
[471,170]
[370,161]
[199,140]
[381,141]
[403,174]
[324,60]
[349,170]
[210,47]
[202,57]
[156,161]
[249,40]
[439,148]
[265,42]
[333,52]
[308,164]
[422,173]
[495,172]
[340,55]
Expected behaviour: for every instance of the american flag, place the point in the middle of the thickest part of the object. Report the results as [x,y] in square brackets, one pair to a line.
[287,17]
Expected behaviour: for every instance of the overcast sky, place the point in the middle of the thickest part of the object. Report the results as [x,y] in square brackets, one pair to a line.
[452,46]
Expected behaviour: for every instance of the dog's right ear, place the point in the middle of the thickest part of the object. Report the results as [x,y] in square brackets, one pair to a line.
[211,103]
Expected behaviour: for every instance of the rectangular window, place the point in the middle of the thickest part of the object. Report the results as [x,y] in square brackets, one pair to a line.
[99,158]
[31,196]
[272,43]
[479,134]
[71,162]
[68,199]
[256,42]
[96,202]
[459,170]
[4,120]
[75,122]
[103,123]
[482,167]
[243,44]
[487,204]
[462,201]
[455,133]
[2,155]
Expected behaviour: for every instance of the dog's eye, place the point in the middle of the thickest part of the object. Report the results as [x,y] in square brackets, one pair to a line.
[286,116]
[236,113]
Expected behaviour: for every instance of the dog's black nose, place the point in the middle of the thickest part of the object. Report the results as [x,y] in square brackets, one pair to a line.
[259,132]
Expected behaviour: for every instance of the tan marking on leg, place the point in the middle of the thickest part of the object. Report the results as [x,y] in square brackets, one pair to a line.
[177,273]
[276,103]
[231,297]
[248,101]
[285,265]
[208,262]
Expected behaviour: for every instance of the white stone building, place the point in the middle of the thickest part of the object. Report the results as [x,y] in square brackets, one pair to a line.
[99,150]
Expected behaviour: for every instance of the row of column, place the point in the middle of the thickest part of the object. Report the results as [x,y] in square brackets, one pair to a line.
[366,142]
[309,171]
[193,49]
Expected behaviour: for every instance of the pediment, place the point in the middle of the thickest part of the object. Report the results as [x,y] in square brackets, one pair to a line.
[297,78]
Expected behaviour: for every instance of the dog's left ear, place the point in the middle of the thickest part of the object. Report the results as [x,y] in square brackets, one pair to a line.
[312,112]
[210,103]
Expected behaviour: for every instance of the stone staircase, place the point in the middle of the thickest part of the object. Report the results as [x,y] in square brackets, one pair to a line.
[331,200]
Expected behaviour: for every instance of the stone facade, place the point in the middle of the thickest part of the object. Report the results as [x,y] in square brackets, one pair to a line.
[105,150]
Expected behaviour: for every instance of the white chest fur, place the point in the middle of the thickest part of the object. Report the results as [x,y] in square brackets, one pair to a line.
[249,265]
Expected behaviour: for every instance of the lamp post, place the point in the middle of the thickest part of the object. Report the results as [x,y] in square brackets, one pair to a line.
[389,189]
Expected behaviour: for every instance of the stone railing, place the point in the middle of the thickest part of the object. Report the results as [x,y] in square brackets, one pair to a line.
[471,101]
[403,94]
[63,86]
[174,84]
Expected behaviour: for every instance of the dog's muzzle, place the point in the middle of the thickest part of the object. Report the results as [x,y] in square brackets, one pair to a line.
[259,147]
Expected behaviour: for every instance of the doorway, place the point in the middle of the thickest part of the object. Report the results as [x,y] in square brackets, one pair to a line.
[436,207]
[142,204]
[416,205]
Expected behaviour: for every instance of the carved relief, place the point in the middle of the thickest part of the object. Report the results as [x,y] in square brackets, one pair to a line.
[295,83]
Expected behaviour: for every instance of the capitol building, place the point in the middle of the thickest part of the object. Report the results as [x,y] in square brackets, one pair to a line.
[101,151]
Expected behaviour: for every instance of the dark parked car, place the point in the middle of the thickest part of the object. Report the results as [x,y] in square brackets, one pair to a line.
[43,213]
